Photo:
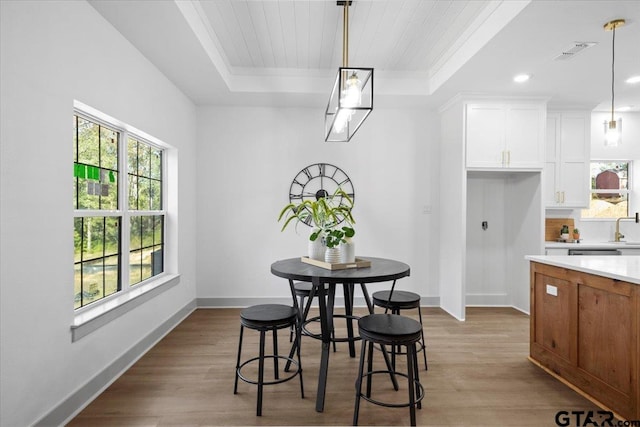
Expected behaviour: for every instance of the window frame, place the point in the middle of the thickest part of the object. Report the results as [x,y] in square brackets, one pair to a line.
[629,191]
[97,313]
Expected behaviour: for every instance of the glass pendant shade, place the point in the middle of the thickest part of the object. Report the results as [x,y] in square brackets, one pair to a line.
[613,132]
[350,103]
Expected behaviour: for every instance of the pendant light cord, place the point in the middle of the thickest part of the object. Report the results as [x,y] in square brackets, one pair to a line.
[613,61]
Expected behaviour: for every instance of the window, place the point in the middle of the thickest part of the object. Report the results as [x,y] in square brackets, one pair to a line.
[119,218]
[610,190]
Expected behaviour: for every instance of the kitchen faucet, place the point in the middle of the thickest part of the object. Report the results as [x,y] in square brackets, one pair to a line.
[619,235]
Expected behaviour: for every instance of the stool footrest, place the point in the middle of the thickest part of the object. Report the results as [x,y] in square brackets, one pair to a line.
[292,374]
[419,396]
[313,335]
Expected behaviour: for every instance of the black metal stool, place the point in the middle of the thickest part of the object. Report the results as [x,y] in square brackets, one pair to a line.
[393,330]
[402,300]
[263,318]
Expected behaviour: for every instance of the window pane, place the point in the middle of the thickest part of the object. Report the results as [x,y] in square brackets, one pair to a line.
[144,160]
[144,190]
[88,143]
[77,286]
[146,259]
[146,263]
[155,195]
[95,166]
[132,156]
[135,267]
[133,192]
[156,164]
[111,273]
[135,238]
[97,254]
[77,239]
[145,176]
[609,175]
[108,149]
[112,236]
[92,281]
[607,207]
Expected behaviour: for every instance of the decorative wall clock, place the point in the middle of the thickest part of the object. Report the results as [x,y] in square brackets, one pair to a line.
[320,180]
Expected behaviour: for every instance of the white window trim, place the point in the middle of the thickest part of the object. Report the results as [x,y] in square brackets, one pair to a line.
[91,317]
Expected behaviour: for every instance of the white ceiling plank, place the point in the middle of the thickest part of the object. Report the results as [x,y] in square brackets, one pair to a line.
[262,35]
[316,33]
[248,34]
[301,11]
[288,29]
[331,22]
[274,27]
[405,46]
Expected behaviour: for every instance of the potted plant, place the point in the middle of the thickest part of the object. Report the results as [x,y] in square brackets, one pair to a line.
[335,238]
[564,232]
[576,234]
[323,214]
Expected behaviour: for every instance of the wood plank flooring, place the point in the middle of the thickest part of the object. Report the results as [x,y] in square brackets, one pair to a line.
[478,375]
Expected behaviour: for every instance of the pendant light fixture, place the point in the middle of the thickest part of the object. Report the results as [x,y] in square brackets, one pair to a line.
[613,128]
[351,99]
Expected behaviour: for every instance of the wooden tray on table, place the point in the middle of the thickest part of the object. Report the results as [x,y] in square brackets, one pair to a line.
[359,263]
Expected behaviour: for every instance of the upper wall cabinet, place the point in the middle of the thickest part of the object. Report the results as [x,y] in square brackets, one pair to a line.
[566,169]
[505,135]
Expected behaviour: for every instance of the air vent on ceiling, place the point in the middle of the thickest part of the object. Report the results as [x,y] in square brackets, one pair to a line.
[573,50]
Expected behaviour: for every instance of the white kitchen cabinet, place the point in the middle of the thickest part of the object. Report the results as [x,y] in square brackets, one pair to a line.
[567,157]
[505,135]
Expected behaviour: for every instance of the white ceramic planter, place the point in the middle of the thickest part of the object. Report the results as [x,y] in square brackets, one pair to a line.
[333,255]
[316,249]
[348,252]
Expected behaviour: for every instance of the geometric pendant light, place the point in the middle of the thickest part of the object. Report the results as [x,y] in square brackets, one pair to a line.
[351,99]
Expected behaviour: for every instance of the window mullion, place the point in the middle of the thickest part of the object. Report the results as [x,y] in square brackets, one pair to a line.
[123,203]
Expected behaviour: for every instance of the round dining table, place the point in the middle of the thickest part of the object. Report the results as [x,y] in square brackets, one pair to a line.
[379,270]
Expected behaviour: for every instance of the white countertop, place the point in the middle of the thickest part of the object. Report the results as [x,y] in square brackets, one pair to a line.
[623,267]
[592,245]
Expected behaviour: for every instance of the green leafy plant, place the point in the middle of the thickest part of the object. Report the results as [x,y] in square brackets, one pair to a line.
[336,236]
[323,214]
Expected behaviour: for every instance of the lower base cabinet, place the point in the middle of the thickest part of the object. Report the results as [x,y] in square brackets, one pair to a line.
[585,330]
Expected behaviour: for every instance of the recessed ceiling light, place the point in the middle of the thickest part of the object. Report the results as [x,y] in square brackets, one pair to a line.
[521,78]
[633,79]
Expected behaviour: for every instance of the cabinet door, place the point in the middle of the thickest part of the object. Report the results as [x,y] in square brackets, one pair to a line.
[485,133]
[525,136]
[574,159]
[566,171]
[555,316]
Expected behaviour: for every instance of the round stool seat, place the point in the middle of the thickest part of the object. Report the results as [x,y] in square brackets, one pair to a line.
[268,315]
[303,289]
[399,299]
[389,329]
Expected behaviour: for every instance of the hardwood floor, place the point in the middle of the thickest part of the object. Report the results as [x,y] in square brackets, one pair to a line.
[478,375]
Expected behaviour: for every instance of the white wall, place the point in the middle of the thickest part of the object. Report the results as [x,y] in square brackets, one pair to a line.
[52,53]
[247,158]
